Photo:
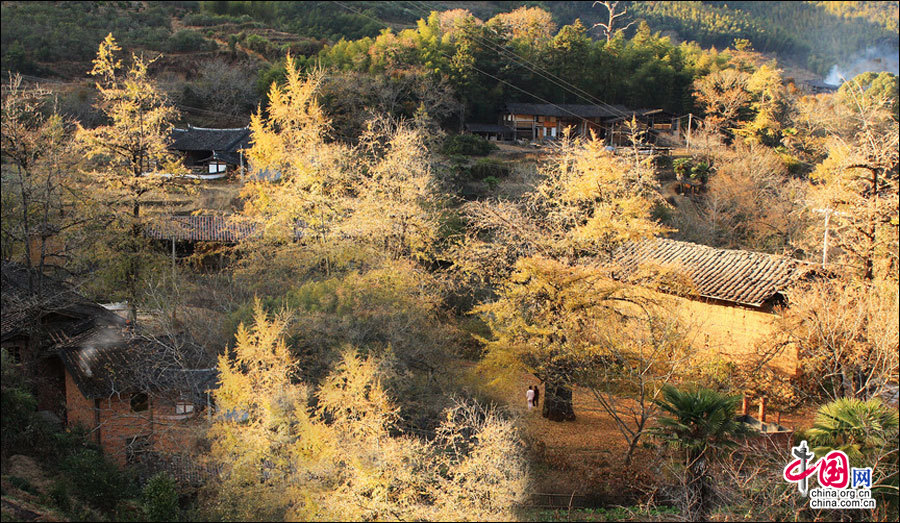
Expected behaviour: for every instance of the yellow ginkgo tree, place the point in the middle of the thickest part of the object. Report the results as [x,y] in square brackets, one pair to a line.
[344,456]
[128,156]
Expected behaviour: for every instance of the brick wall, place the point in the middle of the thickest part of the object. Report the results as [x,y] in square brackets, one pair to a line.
[113,423]
[79,410]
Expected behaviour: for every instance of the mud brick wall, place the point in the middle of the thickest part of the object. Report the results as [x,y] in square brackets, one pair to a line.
[732,332]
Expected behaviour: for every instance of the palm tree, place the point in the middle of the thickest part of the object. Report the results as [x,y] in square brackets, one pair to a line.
[859,428]
[701,423]
[867,431]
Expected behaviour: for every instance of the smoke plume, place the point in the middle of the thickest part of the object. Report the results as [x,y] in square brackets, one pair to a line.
[876,59]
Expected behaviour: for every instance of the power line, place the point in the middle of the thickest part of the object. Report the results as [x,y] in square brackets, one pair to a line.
[477,69]
[504,51]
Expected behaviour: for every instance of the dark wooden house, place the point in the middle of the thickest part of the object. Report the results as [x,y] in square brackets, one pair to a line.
[526,121]
[539,121]
[212,153]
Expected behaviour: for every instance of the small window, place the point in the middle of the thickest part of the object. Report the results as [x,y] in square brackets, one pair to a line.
[140,402]
[217,167]
[184,407]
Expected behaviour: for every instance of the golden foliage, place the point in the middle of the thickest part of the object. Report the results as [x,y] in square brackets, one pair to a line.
[845,334]
[530,24]
[344,459]
[335,205]
[589,202]
[858,184]
[135,142]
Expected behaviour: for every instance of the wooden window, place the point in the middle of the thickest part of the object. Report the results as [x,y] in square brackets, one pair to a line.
[140,402]
[184,407]
[217,167]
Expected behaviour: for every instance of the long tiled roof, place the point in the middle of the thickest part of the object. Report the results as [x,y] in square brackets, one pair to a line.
[23,306]
[567,110]
[488,128]
[743,277]
[201,229]
[203,139]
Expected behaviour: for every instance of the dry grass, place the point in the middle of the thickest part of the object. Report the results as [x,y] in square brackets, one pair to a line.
[211,196]
[583,457]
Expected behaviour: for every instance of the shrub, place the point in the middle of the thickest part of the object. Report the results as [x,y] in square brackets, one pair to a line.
[189,40]
[160,499]
[59,493]
[206,20]
[95,480]
[260,44]
[489,168]
[467,144]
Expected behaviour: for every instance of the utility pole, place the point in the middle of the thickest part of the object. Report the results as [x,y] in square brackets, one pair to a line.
[690,120]
[827,212]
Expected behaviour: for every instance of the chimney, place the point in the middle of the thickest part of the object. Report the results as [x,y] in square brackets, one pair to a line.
[744,404]
[762,409]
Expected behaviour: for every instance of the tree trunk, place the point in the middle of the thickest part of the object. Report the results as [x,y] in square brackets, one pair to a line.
[558,403]
[700,491]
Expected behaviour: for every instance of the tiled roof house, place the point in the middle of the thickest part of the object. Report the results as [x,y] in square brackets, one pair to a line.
[733,297]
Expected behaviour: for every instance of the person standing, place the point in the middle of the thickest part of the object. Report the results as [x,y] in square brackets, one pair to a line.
[529,397]
[537,395]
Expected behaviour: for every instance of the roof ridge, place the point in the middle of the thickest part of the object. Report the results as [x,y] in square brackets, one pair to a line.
[743,251]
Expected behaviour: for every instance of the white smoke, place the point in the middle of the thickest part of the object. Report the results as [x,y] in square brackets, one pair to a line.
[876,59]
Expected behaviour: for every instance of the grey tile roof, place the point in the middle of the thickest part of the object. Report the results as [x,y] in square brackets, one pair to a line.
[568,110]
[488,128]
[108,360]
[742,277]
[204,139]
[24,307]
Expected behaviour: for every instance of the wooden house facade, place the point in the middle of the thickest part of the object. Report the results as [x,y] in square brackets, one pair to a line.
[543,121]
[535,122]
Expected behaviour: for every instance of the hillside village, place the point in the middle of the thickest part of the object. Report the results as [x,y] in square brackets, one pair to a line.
[460,261]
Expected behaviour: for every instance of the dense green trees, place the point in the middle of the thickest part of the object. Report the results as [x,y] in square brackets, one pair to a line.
[568,67]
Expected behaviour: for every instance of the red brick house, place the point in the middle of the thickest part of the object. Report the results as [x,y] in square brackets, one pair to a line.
[36,311]
[134,393]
